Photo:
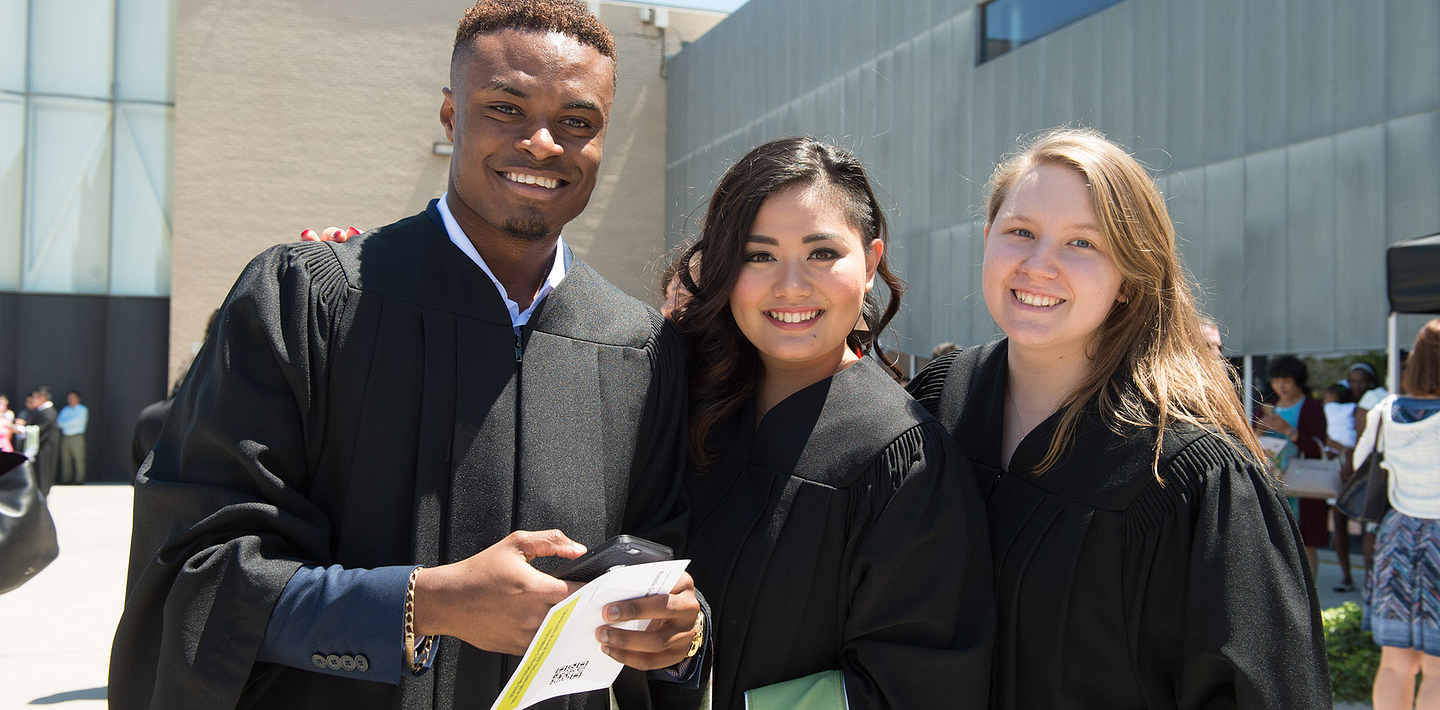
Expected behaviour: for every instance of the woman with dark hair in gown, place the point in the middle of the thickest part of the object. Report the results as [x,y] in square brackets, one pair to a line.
[835,530]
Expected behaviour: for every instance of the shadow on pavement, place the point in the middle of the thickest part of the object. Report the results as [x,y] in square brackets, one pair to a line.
[67,696]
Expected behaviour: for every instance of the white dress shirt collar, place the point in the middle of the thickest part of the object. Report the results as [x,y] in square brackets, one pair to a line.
[558,266]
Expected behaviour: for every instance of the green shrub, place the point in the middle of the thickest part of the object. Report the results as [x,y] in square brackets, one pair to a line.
[1354,657]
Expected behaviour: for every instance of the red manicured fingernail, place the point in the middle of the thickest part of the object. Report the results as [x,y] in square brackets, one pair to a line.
[352,232]
[309,235]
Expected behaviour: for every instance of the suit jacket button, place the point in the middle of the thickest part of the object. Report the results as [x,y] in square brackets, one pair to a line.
[347,662]
[333,661]
[362,663]
[318,659]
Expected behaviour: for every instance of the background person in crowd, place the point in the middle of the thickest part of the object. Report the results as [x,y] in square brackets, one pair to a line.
[373,428]
[73,419]
[7,424]
[1367,391]
[672,291]
[1404,609]
[1340,438]
[1298,417]
[835,527]
[1339,407]
[42,414]
[943,348]
[1144,557]
[18,438]
[1365,386]
[1210,329]
[147,429]
[152,417]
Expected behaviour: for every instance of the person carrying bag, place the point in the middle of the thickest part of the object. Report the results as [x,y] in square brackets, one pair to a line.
[1366,495]
[27,532]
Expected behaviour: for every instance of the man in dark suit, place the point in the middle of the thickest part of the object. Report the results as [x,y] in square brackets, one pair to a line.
[42,414]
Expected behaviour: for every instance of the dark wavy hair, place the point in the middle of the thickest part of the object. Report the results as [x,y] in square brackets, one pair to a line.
[1291,367]
[725,367]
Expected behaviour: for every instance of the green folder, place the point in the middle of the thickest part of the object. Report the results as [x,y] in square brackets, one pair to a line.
[820,691]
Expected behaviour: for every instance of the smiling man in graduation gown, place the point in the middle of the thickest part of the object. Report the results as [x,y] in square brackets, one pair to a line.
[413,397]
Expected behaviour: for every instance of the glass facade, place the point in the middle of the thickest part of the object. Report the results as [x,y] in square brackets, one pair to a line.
[87,116]
[1007,24]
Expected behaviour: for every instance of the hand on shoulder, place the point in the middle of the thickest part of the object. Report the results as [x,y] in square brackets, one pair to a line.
[330,234]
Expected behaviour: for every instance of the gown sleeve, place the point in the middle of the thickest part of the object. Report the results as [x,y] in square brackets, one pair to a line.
[920,625]
[220,521]
[657,508]
[1228,589]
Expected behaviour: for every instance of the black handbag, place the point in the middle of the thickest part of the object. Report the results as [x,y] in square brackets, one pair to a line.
[27,532]
[1366,495]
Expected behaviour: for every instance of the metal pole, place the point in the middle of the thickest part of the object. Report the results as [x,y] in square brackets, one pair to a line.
[1247,387]
[1392,354]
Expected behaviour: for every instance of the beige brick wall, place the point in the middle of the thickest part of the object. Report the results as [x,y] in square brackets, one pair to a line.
[622,232]
[307,113]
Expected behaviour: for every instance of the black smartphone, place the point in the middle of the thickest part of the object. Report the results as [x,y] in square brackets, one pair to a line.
[618,551]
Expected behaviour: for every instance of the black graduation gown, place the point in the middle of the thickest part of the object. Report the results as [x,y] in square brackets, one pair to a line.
[368,404]
[844,533]
[47,458]
[1118,591]
[147,430]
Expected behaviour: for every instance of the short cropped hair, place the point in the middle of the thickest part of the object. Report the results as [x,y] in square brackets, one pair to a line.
[568,17]
[1291,367]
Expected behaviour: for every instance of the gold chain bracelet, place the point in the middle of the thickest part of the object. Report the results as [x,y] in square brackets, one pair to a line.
[417,661]
[698,639]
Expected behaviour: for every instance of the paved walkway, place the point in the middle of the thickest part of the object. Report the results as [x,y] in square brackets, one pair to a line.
[61,623]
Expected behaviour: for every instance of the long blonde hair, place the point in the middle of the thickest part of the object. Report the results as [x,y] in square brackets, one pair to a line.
[1152,366]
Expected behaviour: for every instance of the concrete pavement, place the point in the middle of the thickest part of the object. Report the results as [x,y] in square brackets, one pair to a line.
[61,623]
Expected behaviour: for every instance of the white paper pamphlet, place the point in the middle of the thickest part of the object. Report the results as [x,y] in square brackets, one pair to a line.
[564,656]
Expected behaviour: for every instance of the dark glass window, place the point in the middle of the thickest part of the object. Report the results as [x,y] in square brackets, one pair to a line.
[1007,24]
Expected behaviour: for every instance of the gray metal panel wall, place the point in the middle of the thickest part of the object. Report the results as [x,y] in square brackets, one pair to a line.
[1293,140]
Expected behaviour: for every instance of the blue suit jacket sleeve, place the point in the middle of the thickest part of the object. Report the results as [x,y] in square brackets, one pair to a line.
[333,611]
[688,673]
